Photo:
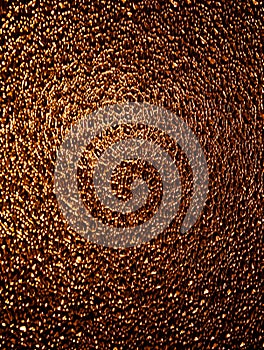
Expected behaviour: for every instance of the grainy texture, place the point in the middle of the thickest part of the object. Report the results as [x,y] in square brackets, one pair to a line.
[60,60]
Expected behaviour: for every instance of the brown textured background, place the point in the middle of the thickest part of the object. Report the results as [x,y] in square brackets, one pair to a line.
[60,60]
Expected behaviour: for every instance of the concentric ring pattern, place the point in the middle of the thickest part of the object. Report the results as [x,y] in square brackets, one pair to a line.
[132,133]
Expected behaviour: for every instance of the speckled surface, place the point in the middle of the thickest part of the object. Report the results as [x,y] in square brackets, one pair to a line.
[199,290]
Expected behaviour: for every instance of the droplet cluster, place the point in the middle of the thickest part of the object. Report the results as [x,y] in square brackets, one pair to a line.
[63,59]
